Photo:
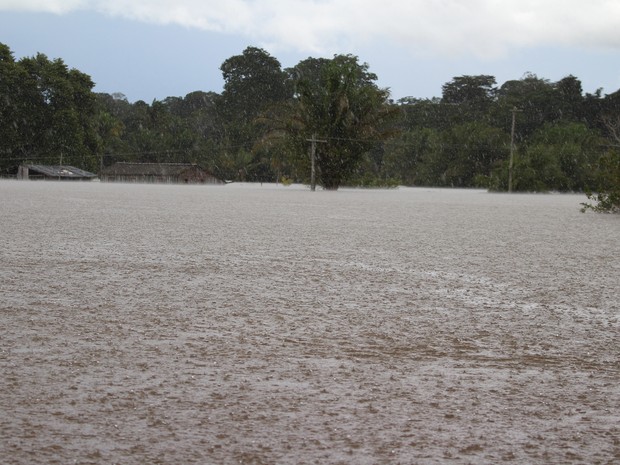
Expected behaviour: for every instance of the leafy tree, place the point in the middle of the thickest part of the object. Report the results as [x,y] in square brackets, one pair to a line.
[341,104]
[570,97]
[111,129]
[52,110]
[470,89]
[411,157]
[428,113]
[473,96]
[199,113]
[607,184]
[469,152]
[577,148]
[607,194]
[253,82]
[536,99]
[12,109]
[559,156]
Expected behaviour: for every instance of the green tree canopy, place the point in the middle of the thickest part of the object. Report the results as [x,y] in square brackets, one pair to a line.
[475,91]
[340,103]
[253,83]
[606,196]
[50,109]
[13,113]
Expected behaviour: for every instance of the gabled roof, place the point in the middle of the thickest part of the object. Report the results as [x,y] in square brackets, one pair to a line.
[148,169]
[61,171]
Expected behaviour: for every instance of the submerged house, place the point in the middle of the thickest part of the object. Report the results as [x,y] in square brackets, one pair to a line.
[53,172]
[166,173]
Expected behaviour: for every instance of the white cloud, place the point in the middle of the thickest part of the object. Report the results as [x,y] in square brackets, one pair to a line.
[47,6]
[483,28]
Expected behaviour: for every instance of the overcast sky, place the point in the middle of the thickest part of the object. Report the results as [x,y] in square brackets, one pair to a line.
[152,49]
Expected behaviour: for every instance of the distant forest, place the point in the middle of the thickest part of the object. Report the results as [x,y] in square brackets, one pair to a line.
[527,134]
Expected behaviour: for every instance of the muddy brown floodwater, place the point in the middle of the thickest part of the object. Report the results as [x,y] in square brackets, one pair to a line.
[274,325]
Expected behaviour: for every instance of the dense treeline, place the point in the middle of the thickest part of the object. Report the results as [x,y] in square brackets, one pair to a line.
[464,138]
[48,113]
[260,126]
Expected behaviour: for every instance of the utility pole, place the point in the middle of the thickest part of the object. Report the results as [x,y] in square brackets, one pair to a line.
[512,147]
[313,141]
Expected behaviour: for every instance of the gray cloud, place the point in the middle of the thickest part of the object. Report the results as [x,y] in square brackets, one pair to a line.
[480,28]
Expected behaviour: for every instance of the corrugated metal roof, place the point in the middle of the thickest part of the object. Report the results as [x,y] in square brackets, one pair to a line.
[61,171]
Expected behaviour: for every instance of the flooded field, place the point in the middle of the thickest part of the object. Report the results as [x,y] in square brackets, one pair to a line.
[274,325]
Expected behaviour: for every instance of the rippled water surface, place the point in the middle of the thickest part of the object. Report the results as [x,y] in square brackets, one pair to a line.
[274,325]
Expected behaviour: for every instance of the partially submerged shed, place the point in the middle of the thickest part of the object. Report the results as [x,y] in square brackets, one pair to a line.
[54,172]
[166,173]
